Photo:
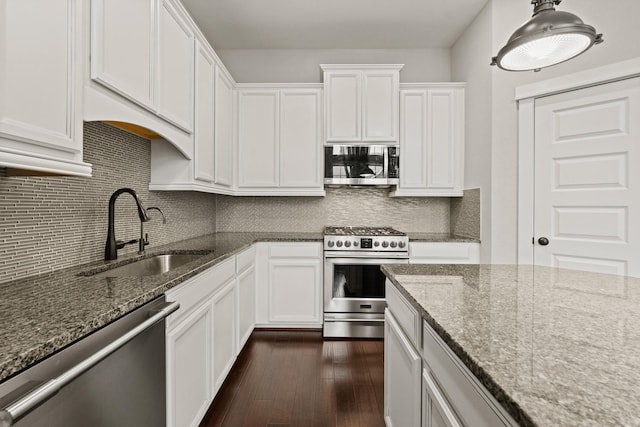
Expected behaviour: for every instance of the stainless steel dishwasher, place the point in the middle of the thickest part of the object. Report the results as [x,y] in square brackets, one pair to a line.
[113,377]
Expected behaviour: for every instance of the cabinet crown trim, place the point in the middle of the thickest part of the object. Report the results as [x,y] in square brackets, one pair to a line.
[279,86]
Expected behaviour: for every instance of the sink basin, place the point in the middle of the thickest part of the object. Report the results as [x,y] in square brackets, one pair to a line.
[153,266]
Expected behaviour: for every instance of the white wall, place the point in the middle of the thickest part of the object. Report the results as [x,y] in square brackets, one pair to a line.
[303,65]
[469,63]
[617,20]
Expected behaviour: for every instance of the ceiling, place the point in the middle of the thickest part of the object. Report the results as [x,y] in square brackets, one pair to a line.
[332,24]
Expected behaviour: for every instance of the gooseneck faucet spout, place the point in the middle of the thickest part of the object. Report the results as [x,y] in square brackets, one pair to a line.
[112,246]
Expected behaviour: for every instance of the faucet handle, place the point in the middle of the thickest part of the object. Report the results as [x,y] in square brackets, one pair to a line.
[146,239]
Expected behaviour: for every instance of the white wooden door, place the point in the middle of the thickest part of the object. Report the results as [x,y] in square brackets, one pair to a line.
[445,140]
[246,305]
[587,179]
[436,410]
[175,68]
[295,291]
[413,138]
[203,118]
[258,138]
[301,138]
[380,105]
[189,361]
[402,380]
[343,105]
[223,152]
[224,333]
[122,45]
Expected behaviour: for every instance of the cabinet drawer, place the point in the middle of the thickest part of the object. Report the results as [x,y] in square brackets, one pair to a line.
[245,259]
[406,316]
[443,253]
[195,291]
[471,401]
[295,250]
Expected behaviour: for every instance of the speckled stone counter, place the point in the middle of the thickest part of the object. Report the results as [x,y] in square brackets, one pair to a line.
[42,314]
[440,237]
[555,347]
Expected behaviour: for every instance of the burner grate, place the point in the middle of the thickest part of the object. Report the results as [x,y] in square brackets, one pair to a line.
[362,231]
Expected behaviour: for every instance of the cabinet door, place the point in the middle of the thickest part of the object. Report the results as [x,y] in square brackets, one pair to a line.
[258,135]
[436,411]
[380,105]
[445,140]
[40,80]
[246,305]
[413,139]
[224,333]
[203,126]
[402,379]
[300,138]
[189,361]
[175,68]
[295,291]
[223,156]
[122,42]
[343,105]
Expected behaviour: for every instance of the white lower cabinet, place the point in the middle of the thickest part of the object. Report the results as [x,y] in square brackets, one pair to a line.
[431,386]
[189,362]
[246,288]
[224,333]
[201,341]
[402,365]
[289,288]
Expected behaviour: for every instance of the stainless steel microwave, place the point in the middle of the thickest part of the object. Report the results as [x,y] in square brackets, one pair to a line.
[361,165]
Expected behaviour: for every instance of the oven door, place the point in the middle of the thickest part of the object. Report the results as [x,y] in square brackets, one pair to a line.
[355,285]
[354,299]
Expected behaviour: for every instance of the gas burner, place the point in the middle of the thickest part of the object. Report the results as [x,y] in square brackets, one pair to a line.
[362,231]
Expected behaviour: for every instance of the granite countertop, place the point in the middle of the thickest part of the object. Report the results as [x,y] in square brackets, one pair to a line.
[42,314]
[555,347]
[440,237]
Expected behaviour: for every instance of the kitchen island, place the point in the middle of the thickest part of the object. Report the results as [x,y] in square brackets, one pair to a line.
[553,347]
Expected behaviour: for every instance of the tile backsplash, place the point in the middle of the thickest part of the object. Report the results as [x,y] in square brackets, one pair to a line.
[340,206]
[48,223]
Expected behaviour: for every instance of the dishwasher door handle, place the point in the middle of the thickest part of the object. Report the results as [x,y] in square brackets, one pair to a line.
[35,397]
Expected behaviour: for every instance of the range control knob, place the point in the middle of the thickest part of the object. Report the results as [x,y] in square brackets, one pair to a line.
[339,243]
[376,244]
[401,244]
[347,244]
[356,244]
[385,244]
[394,244]
[330,243]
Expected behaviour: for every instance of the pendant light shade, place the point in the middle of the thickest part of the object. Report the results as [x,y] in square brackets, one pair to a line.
[548,38]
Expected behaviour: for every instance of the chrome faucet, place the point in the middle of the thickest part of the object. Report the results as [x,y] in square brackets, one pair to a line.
[144,238]
[112,245]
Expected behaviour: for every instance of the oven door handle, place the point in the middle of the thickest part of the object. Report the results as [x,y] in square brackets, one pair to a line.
[355,320]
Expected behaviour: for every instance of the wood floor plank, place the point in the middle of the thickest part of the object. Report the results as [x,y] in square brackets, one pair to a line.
[296,379]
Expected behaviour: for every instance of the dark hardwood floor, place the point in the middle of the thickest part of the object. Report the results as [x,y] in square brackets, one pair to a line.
[295,378]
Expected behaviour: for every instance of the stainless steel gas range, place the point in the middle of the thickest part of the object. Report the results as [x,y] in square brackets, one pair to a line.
[354,299]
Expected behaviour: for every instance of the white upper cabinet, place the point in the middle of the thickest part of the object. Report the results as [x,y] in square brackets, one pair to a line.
[279,140]
[41,48]
[258,136]
[361,102]
[223,157]
[431,140]
[175,67]
[204,109]
[142,51]
[122,37]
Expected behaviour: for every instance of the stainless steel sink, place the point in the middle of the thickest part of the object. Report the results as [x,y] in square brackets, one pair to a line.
[153,266]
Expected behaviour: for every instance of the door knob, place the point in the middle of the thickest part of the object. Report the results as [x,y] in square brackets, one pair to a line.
[543,241]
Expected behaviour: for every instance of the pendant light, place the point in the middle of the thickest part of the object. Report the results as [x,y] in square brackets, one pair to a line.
[548,38]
